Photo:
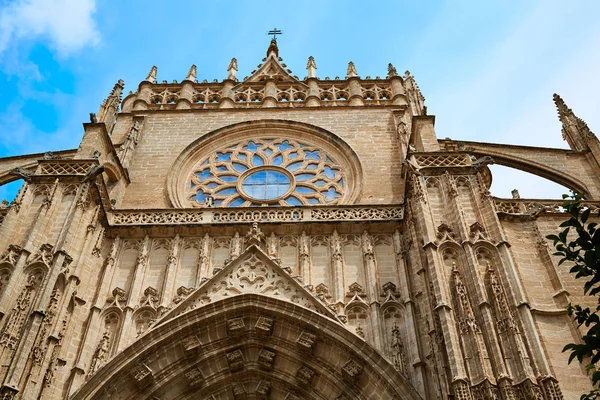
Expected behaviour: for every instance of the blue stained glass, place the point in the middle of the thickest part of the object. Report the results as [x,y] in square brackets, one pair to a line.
[328,159]
[256,178]
[199,196]
[217,202]
[251,146]
[294,166]
[314,155]
[304,177]
[257,161]
[304,190]
[205,162]
[241,156]
[268,152]
[312,166]
[312,200]
[341,182]
[292,201]
[237,202]
[277,177]
[284,146]
[293,155]
[222,168]
[212,185]
[320,182]
[226,192]
[239,167]
[223,156]
[204,174]
[330,173]
[228,178]
[277,160]
[266,184]
[331,194]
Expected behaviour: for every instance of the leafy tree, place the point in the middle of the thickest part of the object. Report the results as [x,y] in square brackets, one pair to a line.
[582,248]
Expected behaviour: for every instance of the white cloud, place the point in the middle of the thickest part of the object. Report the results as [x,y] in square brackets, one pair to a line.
[67,24]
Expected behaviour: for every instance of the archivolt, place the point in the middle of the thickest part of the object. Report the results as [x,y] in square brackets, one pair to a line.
[226,347]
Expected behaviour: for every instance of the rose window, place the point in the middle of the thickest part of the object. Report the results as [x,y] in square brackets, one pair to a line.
[258,172]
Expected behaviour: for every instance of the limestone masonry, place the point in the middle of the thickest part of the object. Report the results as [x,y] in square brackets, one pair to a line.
[285,238]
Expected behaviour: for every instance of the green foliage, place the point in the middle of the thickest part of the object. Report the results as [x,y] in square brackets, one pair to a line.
[584,252]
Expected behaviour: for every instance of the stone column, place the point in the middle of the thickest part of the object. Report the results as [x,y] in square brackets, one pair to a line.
[304,257]
[92,325]
[166,295]
[203,259]
[372,283]
[134,295]
[355,95]
[337,262]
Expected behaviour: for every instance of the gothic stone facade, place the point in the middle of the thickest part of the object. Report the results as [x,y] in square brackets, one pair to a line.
[278,238]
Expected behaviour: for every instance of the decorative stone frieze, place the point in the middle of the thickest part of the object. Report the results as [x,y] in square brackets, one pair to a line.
[244,216]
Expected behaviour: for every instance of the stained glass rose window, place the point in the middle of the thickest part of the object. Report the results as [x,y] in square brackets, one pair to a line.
[265,171]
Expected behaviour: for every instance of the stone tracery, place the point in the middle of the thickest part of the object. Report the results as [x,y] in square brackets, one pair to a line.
[264,170]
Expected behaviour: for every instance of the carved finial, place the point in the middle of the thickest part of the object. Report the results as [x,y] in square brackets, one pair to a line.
[273,49]
[391,71]
[152,75]
[311,67]
[255,236]
[232,69]
[575,131]
[191,75]
[515,194]
[351,70]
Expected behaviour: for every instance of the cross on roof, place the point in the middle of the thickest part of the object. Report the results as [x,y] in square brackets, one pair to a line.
[274,32]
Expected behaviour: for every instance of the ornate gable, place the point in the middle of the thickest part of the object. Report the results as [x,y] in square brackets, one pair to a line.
[272,69]
[252,272]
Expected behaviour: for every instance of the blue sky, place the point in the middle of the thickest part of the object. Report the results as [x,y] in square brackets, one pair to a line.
[487,68]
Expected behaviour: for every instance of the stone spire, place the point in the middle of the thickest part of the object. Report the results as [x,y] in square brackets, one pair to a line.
[273,49]
[351,70]
[574,130]
[415,98]
[311,67]
[152,75]
[191,75]
[232,69]
[110,106]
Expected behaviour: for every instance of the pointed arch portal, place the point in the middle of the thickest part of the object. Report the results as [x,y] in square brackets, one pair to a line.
[250,332]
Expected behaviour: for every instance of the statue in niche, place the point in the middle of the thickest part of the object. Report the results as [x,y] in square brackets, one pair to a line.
[397,350]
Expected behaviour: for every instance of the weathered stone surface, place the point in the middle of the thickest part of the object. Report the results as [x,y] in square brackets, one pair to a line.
[149,260]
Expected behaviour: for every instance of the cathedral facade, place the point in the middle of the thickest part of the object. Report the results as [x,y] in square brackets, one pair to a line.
[281,238]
